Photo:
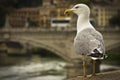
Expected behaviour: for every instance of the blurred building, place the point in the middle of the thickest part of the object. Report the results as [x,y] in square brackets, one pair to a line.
[102,14]
[38,16]
[103,11]
[20,17]
[34,17]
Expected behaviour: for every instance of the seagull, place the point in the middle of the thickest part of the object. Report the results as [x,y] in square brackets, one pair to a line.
[88,41]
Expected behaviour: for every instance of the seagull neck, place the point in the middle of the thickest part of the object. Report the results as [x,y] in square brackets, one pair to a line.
[83,22]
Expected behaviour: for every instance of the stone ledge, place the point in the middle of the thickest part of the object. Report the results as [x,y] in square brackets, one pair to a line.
[112,75]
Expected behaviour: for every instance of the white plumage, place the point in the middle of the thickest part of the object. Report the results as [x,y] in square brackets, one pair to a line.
[88,41]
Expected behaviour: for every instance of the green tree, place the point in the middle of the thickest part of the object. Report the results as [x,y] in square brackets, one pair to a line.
[88,2]
[115,20]
[2,16]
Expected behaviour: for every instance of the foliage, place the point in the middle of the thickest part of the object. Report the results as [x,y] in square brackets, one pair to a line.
[28,3]
[88,2]
[2,16]
[31,23]
[115,20]
[20,3]
[113,57]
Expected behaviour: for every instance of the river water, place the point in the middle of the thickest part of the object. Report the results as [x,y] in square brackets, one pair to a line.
[35,67]
[32,68]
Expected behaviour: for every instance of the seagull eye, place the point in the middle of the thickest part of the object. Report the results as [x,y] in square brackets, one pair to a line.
[77,7]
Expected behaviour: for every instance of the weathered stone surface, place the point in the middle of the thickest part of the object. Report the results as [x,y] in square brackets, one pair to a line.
[113,75]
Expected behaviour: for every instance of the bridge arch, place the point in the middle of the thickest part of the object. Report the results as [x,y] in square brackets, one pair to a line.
[50,47]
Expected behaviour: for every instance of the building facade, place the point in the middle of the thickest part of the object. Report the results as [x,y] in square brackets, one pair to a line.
[102,14]
[20,17]
[41,16]
[38,16]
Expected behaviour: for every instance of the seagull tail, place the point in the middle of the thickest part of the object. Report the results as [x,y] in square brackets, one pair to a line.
[96,54]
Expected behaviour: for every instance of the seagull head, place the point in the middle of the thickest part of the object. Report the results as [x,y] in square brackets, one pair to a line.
[79,9]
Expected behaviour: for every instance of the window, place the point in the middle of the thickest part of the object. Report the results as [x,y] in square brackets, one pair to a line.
[61,21]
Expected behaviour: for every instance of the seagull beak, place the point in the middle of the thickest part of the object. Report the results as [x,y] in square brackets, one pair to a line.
[68,11]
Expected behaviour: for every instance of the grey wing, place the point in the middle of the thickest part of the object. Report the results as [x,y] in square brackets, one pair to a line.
[99,51]
[87,41]
[98,36]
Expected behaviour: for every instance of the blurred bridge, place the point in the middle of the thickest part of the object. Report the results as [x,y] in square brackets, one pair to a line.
[58,41]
